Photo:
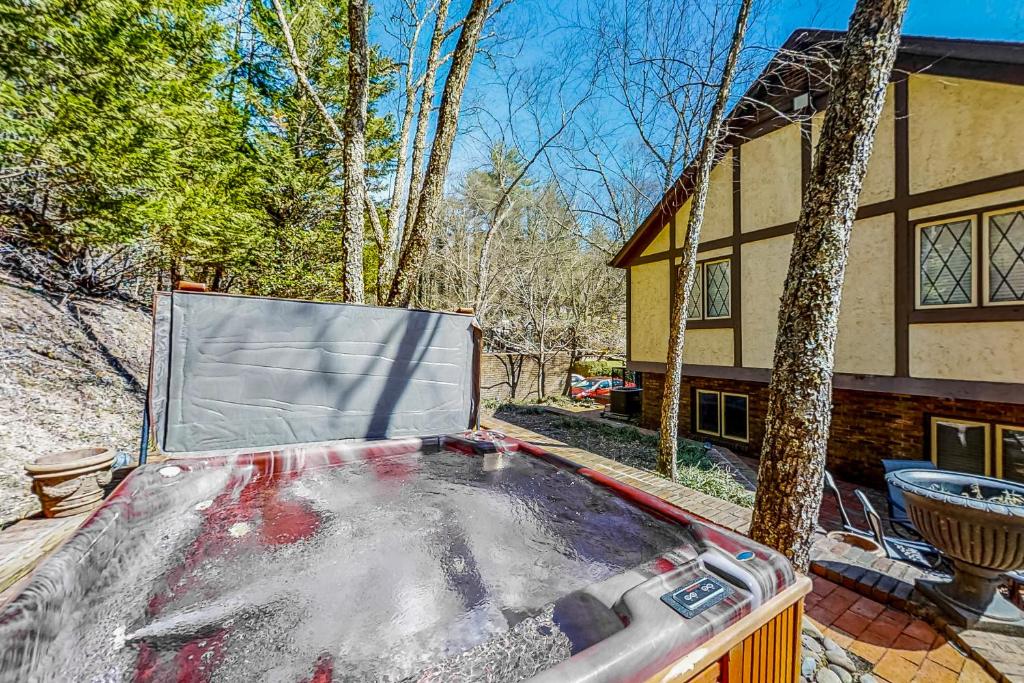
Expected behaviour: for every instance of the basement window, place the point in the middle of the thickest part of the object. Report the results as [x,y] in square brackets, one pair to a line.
[960,445]
[708,408]
[722,414]
[1010,452]
[734,417]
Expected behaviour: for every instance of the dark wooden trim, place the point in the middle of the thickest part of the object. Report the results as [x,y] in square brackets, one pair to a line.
[975,70]
[629,310]
[720,243]
[967,314]
[651,258]
[806,154]
[989,392]
[645,366]
[996,183]
[902,248]
[967,213]
[736,268]
[673,270]
[868,211]
[713,324]
[768,233]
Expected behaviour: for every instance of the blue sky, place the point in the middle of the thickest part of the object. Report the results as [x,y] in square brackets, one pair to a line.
[982,19]
[543,27]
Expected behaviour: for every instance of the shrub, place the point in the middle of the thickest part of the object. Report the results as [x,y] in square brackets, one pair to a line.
[596,368]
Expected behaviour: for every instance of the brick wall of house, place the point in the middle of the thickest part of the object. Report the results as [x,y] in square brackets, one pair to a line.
[513,375]
[866,426]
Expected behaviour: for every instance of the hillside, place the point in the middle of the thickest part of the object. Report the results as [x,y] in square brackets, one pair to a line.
[72,374]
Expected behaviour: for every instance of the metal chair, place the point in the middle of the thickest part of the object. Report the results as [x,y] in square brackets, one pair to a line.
[915,552]
[898,519]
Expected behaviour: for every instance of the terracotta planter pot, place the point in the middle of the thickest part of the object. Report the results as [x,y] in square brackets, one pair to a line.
[71,482]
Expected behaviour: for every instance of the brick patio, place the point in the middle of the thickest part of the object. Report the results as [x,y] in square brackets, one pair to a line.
[865,603]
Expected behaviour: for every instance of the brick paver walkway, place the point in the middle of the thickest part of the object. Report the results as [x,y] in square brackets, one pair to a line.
[901,648]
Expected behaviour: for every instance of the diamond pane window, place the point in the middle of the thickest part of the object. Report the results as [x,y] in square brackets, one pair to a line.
[693,311]
[946,266]
[1006,257]
[718,294]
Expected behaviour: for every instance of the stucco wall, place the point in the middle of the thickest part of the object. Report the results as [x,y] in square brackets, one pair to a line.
[659,244]
[866,343]
[980,351]
[979,201]
[649,312]
[718,213]
[962,130]
[763,267]
[682,216]
[770,179]
[880,181]
[708,347]
[867,332]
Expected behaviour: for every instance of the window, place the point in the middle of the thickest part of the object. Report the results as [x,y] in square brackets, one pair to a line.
[707,412]
[960,445]
[721,414]
[695,310]
[1004,251]
[734,417]
[1010,452]
[945,274]
[717,289]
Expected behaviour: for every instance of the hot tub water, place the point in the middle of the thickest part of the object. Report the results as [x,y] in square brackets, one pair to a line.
[403,566]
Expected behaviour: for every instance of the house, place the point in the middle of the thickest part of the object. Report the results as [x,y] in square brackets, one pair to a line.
[930,353]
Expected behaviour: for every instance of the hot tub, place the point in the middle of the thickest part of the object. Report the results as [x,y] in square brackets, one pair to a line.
[407,559]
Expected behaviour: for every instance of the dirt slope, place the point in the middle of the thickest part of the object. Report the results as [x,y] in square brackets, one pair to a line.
[72,374]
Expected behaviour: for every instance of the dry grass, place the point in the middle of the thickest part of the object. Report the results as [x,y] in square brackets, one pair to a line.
[630,446]
[71,375]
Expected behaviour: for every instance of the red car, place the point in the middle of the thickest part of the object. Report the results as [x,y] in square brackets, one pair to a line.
[598,388]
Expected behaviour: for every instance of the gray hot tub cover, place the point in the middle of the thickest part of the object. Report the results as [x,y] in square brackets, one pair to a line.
[241,372]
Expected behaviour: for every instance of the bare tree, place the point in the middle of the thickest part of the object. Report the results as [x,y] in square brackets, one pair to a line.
[419,142]
[413,20]
[800,394]
[669,444]
[354,150]
[416,239]
[529,101]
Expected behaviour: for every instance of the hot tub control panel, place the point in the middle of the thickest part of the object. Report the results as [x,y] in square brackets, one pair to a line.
[697,596]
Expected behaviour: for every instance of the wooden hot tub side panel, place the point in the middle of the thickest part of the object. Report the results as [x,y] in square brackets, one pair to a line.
[763,647]
[771,654]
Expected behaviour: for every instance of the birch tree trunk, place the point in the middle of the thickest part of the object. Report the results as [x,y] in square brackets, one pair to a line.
[800,395]
[429,204]
[419,141]
[354,151]
[668,444]
[387,241]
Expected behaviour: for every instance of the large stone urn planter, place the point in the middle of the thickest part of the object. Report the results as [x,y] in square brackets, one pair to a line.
[978,523]
[71,482]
